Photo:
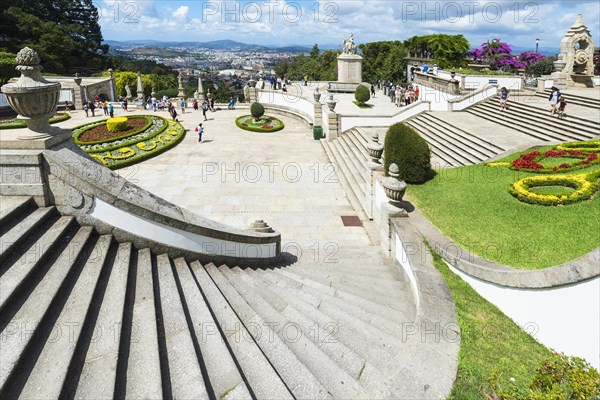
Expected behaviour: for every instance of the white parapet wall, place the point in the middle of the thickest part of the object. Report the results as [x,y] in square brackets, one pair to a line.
[289,100]
[473,98]
[349,121]
[437,98]
[474,82]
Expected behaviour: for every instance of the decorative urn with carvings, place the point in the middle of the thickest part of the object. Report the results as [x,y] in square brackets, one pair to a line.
[394,187]
[33,97]
[375,150]
[331,102]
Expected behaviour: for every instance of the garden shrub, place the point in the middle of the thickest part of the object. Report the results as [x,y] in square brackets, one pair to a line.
[116,124]
[557,377]
[362,94]
[257,110]
[404,147]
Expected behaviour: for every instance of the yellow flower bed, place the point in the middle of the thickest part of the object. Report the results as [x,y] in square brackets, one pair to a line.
[116,124]
[585,186]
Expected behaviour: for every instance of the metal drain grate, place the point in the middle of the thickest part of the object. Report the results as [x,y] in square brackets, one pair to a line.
[351,220]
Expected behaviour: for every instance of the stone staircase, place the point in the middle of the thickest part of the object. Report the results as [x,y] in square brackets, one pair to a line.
[86,316]
[572,99]
[536,122]
[450,144]
[349,153]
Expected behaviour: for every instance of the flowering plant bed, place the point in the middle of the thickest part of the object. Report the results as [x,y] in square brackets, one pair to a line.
[132,146]
[592,146]
[15,123]
[263,124]
[97,132]
[530,162]
[584,185]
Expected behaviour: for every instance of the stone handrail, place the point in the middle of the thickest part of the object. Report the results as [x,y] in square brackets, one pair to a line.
[351,121]
[100,197]
[472,98]
[450,86]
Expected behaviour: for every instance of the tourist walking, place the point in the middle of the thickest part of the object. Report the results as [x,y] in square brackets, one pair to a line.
[417,93]
[200,131]
[182,105]
[105,107]
[554,100]
[231,105]
[211,104]
[503,99]
[85,108]
[372,91]
[125,104]
[92,108]
[204,109]
[562,108]
[111,110]
[195,104]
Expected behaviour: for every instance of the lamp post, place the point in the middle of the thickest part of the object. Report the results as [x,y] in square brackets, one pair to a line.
[537,45]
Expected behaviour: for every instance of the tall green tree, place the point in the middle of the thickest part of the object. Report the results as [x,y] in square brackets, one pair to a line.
[7,67]
[67,31]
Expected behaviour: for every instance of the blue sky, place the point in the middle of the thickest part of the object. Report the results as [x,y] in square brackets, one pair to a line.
[280,22]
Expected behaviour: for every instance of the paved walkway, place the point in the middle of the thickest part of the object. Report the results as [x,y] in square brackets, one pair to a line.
[236,177]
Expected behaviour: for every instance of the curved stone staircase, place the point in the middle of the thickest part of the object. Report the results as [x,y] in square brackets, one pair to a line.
[86,316]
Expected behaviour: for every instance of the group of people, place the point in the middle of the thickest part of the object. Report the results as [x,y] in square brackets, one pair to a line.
[91,106]
[403,95]
[558,104]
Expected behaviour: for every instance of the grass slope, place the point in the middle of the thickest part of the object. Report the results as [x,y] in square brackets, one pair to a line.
[489,340]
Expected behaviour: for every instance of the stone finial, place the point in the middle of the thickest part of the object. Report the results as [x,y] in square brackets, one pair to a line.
[394,187]
[375,150]
[27,57]
[260,226]
[578,21]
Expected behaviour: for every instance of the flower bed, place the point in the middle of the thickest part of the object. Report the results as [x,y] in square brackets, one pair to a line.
[530,162]
[15,123]
[97,132]
[264,124]
[592,146]
[158,135]
[584,185]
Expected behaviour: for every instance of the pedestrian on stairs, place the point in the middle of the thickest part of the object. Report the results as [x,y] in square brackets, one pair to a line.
[503,98]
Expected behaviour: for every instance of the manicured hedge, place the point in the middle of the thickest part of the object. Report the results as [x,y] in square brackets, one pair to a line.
[362,94]
[19,123]
[404,147]
[247,123]
[584,185]
[79,131]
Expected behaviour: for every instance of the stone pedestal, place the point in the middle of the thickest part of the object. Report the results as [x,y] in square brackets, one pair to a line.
[349,68]
[251,94]
[332,123]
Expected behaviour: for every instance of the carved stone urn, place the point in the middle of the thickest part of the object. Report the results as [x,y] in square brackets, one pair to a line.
[316,95]
[394,187]
[375,150]
[331,103]
[33,97]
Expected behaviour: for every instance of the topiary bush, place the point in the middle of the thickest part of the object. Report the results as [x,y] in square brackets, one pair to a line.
[404,147]
[116,124]
[257,110]
[362,94]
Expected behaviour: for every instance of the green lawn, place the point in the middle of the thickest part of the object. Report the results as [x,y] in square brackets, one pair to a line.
[472,206]
[489,340]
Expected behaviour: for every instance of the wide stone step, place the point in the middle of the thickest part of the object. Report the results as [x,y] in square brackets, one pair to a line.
[358,160]
[10,241]
[573,99]
[20,319]
[144,378]
[12,210]
[98,376]
[308,306]
[441,146]
[491,117]
[334,378]
[33,257]
[293,372]
[481,147]
[186,378]
[319,335]
[217,359]
[261,375]
[50,371]
[542,123]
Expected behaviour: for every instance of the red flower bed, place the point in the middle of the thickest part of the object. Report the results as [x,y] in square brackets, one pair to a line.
[530,161]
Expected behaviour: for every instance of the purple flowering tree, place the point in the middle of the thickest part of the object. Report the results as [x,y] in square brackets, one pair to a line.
[499,56]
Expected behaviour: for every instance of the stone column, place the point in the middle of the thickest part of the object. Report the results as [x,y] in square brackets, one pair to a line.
[181,89]
[332,121]
[140,87]
[200,92]
[78,95]
[317,108]
[113,86]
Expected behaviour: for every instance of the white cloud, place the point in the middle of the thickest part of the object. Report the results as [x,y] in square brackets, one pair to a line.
[181,12]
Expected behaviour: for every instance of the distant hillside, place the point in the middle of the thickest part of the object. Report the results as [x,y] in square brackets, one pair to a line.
[214,45]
